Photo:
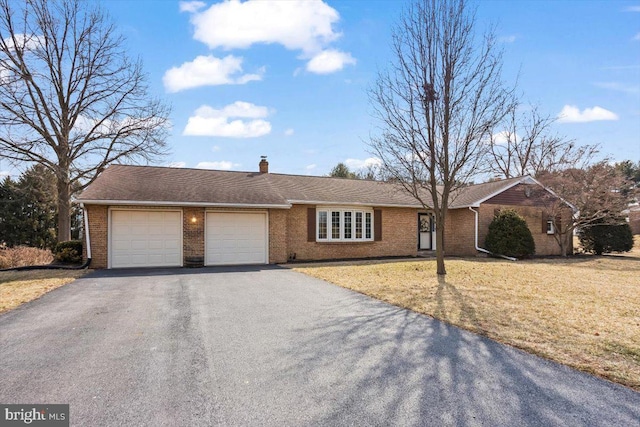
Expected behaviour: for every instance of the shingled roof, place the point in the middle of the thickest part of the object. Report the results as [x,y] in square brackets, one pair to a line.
[148,185]
[473,195]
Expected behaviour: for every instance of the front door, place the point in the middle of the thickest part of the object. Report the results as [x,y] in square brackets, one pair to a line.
[425,227]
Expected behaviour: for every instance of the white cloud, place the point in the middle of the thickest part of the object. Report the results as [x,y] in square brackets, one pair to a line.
[215,148]
[289,132]
[503,137]
[633,9]
[191,6]
[297,25]
[507,39]
[221,165]
[329,61]
[85,124]
[619,87]
[636,37]
[208,71]
[6,76]
[366,163]
[311,167]
[572,114]
[176,164]
[208,121]
[24,41]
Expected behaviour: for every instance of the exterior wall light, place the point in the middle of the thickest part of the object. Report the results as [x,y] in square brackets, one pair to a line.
[194,219]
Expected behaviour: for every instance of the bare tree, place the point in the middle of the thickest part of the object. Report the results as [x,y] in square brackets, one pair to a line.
[437,105]
[525,144]
[70,97]
[594,193]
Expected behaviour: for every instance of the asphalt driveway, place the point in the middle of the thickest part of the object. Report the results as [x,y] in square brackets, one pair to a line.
[268,346]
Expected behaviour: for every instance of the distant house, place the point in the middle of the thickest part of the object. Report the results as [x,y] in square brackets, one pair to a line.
[633,214]
[142,216]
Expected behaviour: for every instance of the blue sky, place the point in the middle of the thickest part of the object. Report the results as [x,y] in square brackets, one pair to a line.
[289,80]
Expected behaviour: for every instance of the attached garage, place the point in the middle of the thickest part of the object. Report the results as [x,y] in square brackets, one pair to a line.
[145,238]
[236,238]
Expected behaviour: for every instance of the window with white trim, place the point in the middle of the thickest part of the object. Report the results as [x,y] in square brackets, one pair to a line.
[344,225]
[322,225]
[550,227]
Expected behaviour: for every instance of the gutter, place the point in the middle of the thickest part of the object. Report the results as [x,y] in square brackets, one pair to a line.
[479,249]
[183,204]
[349,204]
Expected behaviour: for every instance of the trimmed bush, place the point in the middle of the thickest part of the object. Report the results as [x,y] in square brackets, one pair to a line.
[69,252]
[509,235]
[606,238]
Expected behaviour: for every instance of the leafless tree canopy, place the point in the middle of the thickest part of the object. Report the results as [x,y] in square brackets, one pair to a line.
[71,99]
[593,191]
[438,103]
[525,144]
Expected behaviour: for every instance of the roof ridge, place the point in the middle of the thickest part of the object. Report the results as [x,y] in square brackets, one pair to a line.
[184,168]
[501,181]
[236,171]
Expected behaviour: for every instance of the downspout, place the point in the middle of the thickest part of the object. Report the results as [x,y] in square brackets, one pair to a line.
[479,249]
[86,232]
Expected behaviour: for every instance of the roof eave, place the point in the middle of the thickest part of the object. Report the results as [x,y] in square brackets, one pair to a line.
[329,203]
[173,203]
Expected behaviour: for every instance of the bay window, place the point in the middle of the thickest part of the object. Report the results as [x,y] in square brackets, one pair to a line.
[347,225]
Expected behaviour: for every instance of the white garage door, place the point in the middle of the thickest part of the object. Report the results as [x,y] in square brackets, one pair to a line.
[146,239]
[236,238]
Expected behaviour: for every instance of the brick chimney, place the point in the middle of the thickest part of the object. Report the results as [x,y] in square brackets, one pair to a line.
[264,165]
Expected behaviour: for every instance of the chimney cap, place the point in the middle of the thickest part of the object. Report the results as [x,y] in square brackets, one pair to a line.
[263,165]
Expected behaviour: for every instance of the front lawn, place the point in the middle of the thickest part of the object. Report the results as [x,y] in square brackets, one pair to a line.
[18,287]
[583,312]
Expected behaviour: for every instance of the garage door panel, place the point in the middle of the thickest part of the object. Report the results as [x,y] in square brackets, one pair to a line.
[156,244]
[146,238]
[173,230]
[172,244]
[137,259]
[119,245]
[158,229]
[236,238]
[152,216]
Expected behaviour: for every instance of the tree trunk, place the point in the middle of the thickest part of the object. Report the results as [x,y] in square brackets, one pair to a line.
[440,270]
[64,209]
[563,244]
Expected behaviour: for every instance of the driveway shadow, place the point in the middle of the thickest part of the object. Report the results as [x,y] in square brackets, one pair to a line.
[173,271]
[393,366]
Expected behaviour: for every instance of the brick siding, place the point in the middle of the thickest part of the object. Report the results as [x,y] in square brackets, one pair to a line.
[278,236]
[546,244]
[399,237]
[288,233]
[459,233]
[193,232]
[98,223]
[460,229]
